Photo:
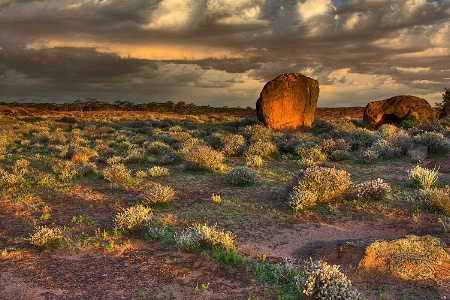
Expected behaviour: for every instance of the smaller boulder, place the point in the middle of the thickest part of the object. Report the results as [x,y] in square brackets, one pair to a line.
[396,109]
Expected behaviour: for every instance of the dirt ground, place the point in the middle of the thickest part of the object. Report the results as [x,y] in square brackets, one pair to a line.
[137,269]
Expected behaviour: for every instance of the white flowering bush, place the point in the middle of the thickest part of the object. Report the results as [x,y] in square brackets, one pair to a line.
[241,175]
[373,190]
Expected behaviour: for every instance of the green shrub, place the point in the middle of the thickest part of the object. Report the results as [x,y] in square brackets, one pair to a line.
[133,219]
[157,147]
[257,132]
[436,198]
[301,200]
[373,190]
[305,163]
[117,173]
[204,158]
[386,149]
[370,155]
[158,171]
[135,155]
[423,178]
[157,193]
[326,183]
[86,169]
[156,232]
[10,179]
[241,175]
[65,170]
[323,281]
[48,237]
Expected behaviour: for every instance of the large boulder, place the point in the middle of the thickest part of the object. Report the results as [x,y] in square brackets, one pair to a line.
[288,102]
[395,110]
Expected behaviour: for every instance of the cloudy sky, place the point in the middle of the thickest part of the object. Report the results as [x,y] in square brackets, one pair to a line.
[222,52]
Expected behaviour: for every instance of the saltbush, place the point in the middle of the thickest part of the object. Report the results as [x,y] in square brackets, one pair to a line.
[133,219]
[157,193]
[188,240]
[65,170]
[241,175]
[436,142]
[157,171]
[324,281]
[326,183]
[203,158]
[373,190]
[254,161]
[436,198]
[301,200]
[260,148]
[117,173]
[47,237]
[423,178]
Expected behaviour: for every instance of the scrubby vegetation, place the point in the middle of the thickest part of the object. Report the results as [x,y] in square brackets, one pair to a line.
[110,182]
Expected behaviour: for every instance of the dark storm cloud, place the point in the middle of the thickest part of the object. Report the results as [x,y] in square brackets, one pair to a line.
[221,50]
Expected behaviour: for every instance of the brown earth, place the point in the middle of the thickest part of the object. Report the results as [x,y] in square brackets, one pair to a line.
[135,269]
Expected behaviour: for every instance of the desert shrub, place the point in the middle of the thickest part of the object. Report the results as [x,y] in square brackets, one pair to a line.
[305,163]
[260,148]
[370,155]
[361,138]
[326,183]
[409,122]
[10,179]
[189,144]
[315,154]
[86,168]
[232,144]
[324,281]
[301,200]
[140,174]
[203,158]
[156,232]
[45,179]
[157,147]
[169,158]
[436,142]
[257,132]
[241,175]
[386,148]
[436,198]
[135,155]
[445,221]
[83,154]
[48,237]
[387,130]
[339,155]
[157,171]
[117,173]
[330,145]
[373,190]
[157,193]
[65,170]
[114,160]
[423,178]
[188,240]
[212,237]
[20,166]
[133,219]
[254,161]
[320,126]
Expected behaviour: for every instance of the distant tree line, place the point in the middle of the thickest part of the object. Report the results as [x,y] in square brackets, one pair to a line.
[89,104]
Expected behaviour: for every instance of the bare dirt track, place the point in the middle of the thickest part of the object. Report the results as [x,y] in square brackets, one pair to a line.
[93,264]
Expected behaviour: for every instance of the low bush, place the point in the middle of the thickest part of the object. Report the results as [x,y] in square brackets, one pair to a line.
[241,175]
[212,237]
[436,142]
[302,200]
[188,240]
[157,193]
[326,183]
[324,281]
[158,171]
[436,198]
[83,154]
[423,178]
[254,161]
[204,158]
[133,219]
[260,148]
[48,237]
[65,170]
[117,173]
[373,190]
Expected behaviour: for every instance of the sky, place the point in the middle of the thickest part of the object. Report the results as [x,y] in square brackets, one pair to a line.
[222,52]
